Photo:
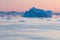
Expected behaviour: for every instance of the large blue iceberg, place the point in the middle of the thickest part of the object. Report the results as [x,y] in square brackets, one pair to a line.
[35,12]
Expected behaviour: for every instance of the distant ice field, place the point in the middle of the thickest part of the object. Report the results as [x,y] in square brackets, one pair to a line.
[29,21]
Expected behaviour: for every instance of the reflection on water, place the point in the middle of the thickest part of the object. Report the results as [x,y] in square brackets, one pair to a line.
[30,32]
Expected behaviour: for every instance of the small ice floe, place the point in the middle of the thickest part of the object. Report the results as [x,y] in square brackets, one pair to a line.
[58,19]
[21,20]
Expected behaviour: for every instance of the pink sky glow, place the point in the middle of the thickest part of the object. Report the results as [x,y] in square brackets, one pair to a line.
[23,5]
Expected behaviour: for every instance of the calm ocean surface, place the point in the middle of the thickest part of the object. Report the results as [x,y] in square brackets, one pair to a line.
[29,32]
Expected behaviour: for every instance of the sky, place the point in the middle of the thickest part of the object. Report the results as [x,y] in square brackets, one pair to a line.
[23,5]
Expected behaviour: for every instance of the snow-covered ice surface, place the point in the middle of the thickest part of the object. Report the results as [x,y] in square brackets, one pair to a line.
[30,29]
